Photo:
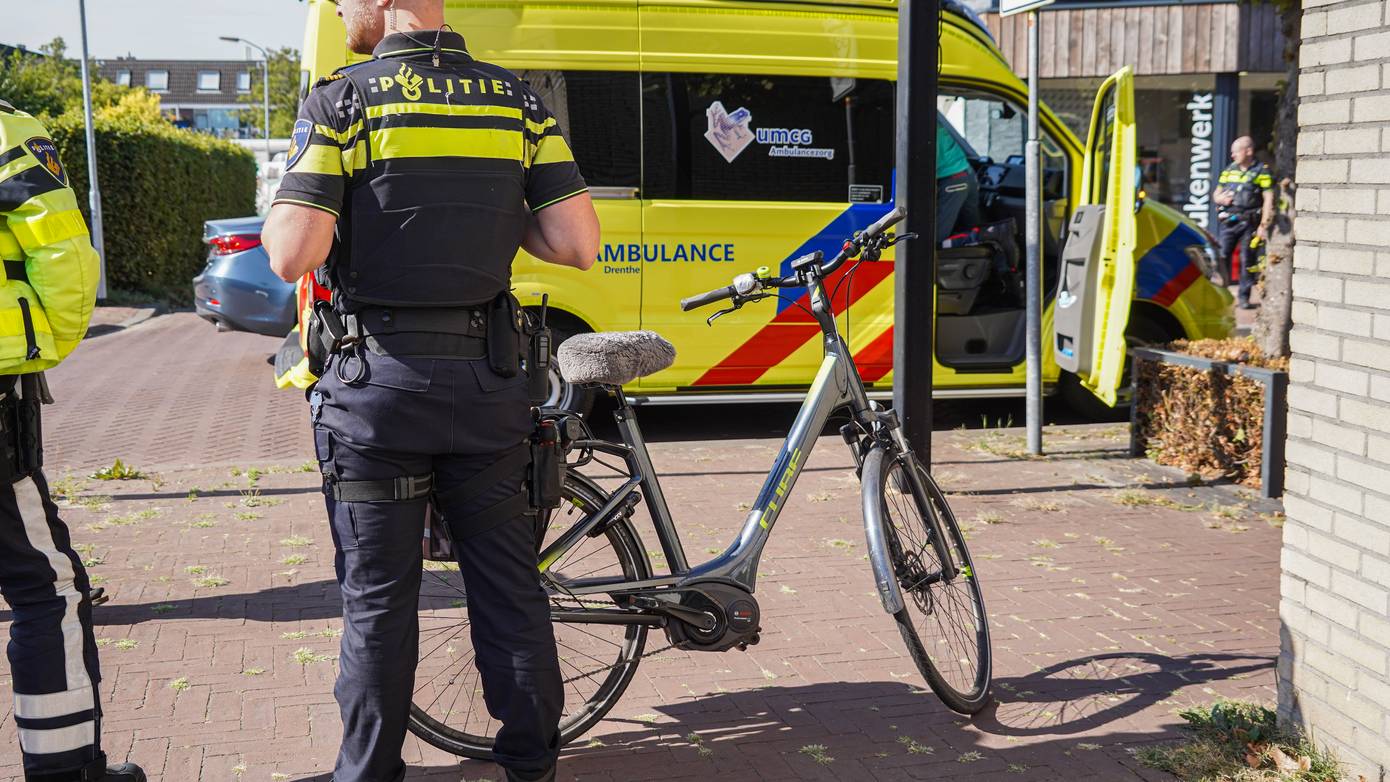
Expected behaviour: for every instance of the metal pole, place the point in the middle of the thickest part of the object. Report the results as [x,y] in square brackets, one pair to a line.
[265,90]
[915,271]
[1033,239]
[93,188]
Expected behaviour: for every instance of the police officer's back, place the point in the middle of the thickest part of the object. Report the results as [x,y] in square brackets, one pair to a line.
[47,293]
[1245,197]
[435,169]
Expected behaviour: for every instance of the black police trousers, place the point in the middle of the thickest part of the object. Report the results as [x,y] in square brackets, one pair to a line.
[382,417]
[1237,235]
[52,652]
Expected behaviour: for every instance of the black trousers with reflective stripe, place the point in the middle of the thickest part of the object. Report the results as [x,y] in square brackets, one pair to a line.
[452,418]
[52,652]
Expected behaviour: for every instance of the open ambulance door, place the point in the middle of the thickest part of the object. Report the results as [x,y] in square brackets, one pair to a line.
[1097,282]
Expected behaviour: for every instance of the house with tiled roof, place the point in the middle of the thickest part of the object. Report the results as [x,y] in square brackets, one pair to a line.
[202,95]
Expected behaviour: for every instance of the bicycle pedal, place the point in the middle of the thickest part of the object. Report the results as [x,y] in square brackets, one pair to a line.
[98,596]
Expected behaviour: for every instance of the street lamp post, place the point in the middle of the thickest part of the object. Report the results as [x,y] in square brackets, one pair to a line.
[93,190]
[265,84]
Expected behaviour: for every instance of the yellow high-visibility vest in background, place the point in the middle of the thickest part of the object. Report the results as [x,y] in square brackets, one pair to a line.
[49,282]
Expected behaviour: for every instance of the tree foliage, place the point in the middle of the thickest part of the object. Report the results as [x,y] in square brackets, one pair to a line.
[50,85]
[284,94]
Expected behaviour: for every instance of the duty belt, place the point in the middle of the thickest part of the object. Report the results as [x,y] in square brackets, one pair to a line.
[434,333]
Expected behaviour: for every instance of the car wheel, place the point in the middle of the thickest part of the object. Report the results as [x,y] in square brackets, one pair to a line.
[1142,332]
[561,393]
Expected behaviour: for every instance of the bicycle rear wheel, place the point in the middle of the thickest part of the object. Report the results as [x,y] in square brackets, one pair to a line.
[597,661]
[943,622]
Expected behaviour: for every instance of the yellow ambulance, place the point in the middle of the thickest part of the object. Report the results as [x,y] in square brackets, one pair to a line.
[648,92]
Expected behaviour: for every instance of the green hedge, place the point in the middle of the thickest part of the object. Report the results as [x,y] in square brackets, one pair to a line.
[158,185]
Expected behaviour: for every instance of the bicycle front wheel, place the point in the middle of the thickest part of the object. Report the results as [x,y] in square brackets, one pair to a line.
[597,661]
[943,621]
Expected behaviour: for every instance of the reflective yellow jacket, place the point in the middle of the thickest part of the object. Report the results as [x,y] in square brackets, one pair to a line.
[42,233]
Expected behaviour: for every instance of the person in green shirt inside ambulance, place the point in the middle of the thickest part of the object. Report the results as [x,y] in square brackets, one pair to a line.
[957,187]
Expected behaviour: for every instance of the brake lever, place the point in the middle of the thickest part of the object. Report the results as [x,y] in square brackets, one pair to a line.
[738,304]
[902,238]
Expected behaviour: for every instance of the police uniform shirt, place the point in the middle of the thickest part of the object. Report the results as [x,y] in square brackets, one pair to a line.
[431,170]
[1248,184]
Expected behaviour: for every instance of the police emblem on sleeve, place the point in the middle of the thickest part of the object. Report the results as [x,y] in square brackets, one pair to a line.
[47,153]
[299,142]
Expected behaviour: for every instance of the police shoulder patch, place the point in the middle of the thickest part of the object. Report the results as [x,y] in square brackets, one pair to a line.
[299,142]
[47,152]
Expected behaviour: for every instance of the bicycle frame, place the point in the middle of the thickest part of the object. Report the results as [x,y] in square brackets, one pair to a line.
[837,384]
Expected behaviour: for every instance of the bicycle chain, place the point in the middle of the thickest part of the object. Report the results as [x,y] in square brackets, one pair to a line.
[640,657]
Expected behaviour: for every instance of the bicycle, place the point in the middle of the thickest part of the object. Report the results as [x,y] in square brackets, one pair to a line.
[603,615]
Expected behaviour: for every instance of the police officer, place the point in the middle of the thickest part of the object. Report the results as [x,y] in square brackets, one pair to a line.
[46,300]
[1245,197]
[434,168]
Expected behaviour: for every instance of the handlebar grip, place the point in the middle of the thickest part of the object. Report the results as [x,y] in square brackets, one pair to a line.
[887,221]
[709,297]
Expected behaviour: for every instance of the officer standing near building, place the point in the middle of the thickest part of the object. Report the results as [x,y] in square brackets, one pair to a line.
[434,169]
[46,300]
[1245,197]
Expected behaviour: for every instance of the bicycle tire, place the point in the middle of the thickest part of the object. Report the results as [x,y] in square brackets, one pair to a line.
[577,719]
[965,691]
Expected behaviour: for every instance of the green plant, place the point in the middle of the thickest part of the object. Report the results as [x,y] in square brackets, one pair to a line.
[118,471]
[180,684]
[818,753]
[1236,741]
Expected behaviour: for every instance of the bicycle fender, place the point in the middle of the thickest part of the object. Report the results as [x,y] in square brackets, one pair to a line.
[884,578]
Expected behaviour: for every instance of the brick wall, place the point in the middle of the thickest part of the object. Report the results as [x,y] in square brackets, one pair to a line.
[1335,664]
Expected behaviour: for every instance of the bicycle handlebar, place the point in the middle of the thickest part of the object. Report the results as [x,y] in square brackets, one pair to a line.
[709,297]
[755,285]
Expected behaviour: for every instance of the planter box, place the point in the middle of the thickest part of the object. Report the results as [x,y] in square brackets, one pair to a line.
[1273,424]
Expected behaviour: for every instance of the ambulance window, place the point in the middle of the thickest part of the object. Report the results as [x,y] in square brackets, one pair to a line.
[767,138]
[600,115]
[996,129]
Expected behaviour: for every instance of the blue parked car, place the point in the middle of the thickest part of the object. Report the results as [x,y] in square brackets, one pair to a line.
[237,291]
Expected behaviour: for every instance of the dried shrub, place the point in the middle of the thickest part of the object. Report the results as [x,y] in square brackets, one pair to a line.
[1205,422]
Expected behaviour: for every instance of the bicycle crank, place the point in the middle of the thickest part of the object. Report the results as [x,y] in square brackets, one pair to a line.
[712,617]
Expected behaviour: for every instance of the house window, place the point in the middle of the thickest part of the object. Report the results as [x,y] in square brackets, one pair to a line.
[157,81]
[123,78]
[243,81]
[209,81]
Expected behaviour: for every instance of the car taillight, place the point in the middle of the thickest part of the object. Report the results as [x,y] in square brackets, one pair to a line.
[235,243]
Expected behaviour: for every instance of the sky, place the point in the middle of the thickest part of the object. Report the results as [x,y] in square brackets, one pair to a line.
[155,29]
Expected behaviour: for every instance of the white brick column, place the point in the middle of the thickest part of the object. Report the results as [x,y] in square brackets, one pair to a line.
[1334,669]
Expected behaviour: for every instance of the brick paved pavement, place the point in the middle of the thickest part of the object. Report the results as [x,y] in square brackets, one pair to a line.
[1114,600]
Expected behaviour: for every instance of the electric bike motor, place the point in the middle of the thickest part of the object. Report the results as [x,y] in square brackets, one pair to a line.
[735,613]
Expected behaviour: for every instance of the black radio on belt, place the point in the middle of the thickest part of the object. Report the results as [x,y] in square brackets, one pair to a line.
[538,355]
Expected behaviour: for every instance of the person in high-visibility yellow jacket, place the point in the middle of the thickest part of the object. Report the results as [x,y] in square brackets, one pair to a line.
[47,294]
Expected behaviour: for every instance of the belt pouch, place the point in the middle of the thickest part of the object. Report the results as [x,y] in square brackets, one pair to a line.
[547,466]
[504,335]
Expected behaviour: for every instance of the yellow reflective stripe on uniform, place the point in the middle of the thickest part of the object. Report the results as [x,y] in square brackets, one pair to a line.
[540,127]
[343,137]
[320,159]
[454,110]
[311,204]
[551,149]
[1264,181]
[17,167]
[391,143]
[9,246]
[49,228]
[355,159]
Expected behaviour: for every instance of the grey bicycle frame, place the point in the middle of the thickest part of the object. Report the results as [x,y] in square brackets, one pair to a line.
[837,384]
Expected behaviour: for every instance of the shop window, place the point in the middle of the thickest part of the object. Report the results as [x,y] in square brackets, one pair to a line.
[209,81]
[157,81]
[767,138]
[599,113]
[123,78]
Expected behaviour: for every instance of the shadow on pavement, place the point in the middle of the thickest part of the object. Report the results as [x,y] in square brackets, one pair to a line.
[311,600]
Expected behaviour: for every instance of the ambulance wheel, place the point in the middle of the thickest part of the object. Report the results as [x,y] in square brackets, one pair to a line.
[563,394]
[1146,329]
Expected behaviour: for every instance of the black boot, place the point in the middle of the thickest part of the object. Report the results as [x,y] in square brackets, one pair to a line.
[547,776]
[98,771]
